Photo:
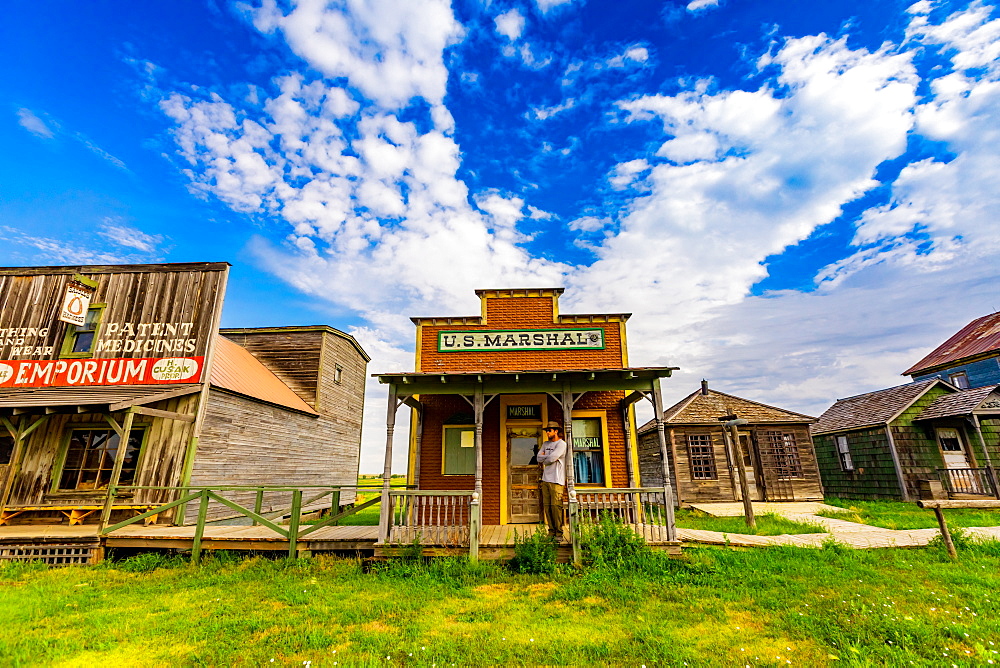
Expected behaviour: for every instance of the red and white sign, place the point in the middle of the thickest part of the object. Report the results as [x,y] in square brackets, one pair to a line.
[77,373]
[76,303]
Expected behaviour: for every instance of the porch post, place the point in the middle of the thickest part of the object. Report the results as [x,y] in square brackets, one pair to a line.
[116,472]
[990,472]
[629,464]
[668,490]
[566,399]
[20,434]
[385,512]
[475,509]
[418,439]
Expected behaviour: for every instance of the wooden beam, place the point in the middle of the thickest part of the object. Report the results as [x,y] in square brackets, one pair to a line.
[156,412]
[957,503]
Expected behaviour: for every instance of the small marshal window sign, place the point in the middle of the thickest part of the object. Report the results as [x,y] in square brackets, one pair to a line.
[529,412]
[524,339]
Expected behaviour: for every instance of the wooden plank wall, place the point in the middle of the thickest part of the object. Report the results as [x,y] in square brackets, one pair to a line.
[245,441]
[873,476]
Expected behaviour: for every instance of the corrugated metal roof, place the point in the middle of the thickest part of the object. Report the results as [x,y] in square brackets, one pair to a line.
[698,408]
[120,396]
[959,403]
[979,336]
[873,408]
[236,370]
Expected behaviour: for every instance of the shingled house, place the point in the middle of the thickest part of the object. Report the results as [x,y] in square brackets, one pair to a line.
[970,358]
[910,441]
[775,450]
[91,356]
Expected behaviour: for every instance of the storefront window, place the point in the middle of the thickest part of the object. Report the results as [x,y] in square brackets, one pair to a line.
[588,451]
[79,341]
[90,459]
[459,450]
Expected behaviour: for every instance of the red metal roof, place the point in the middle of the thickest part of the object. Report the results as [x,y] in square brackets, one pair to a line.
[979,336]
[236,370]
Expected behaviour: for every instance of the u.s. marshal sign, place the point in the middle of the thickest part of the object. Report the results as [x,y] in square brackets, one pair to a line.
[522,339]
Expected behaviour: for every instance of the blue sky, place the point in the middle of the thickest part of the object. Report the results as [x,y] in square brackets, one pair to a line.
[795,200]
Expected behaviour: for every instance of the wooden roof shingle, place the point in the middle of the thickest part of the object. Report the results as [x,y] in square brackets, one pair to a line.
[873,408]
[959,403]
[700,408]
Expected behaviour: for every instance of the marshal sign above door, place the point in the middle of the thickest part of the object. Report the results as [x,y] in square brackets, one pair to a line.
[525,339]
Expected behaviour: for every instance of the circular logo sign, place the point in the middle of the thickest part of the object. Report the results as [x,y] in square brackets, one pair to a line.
[6,372]
[175,368]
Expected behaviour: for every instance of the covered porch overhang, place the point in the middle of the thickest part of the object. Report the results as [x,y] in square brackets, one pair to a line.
[24,410]
[564,386]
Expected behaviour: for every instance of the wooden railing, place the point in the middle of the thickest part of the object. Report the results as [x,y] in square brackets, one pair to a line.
[293,531]
[644,509]
[434,517]
[977,481]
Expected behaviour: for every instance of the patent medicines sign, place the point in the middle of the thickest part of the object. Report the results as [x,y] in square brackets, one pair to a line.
[527,339]
[78,373]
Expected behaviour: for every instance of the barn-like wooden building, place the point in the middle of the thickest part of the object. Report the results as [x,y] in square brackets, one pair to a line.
[96,356]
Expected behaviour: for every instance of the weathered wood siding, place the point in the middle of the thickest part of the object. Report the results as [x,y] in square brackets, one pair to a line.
[291,355]
[980,372]
[160,461]
[147,297]
[249,442]
[873,477]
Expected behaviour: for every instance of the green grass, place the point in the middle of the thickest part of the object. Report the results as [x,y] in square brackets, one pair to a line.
[902,515]
[768,524]
[714,607]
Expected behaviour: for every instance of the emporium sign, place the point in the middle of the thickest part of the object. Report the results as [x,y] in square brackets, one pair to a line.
[522,339]
[77,373]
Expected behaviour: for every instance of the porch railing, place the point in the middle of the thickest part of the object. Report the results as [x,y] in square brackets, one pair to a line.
[977,481]
[644,509]
[434,517]
[293,531]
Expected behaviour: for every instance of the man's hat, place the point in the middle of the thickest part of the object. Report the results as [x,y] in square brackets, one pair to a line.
[554,425]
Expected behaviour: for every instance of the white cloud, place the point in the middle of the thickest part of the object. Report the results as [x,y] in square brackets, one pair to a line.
[510,24]
[129,237]
[545,113]
[33,124]
[625,174]
[632,55]
[698,5]
[546,6]
[75,248]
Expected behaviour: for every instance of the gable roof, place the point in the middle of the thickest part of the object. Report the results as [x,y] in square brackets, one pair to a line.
[958,403]
[236,370]
[872,409]
[699,408]
[982,335]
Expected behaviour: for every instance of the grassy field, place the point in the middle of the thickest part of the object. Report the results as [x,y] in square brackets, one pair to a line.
[900,515]
[774,606]
[767,524]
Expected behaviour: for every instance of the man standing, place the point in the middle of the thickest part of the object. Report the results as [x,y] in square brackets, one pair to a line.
[550,459]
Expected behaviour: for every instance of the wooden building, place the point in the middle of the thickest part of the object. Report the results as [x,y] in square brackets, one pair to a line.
[969,359]
[912,441]
[95,355]
[483,387]
[775,450]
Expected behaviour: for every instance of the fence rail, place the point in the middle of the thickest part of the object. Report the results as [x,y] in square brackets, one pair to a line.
[440,518]
[644,509]
[978,481]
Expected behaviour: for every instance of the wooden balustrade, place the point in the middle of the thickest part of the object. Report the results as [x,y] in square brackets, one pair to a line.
[641,508]
[433,517]
[968,481]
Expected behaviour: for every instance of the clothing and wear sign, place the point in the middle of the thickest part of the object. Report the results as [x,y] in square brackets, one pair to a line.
[81,372]
[521,339]
[76,303]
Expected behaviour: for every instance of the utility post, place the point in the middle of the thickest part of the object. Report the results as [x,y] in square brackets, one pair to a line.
[732,423]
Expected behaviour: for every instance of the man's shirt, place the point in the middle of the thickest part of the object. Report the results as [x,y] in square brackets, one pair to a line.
[551,458]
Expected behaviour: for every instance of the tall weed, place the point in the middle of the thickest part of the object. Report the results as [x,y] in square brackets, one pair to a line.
[611,543]
[534,553]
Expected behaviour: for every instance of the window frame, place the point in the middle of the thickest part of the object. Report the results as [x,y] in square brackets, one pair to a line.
[602,417]
[338,374]
[953,378]
[795,470]
[67,437]
[72,331]
[844,453]
[444,448]
[708,457]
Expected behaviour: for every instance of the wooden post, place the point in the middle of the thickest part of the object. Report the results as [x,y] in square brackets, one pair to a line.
[116,472]
[475,509]
[390,426]
[566,399]
[475,524]
[629,464]
[335,502]
[731,456]
[668,490]
[199,529]
[418,444]
[293,524]
[258,504]
[734,435]
[945,534]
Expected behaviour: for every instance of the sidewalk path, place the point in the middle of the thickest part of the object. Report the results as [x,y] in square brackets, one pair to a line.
[846,533]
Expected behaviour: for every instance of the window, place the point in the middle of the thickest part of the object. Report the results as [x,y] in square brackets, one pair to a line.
[950,442]
[90,457]
[701,457]
[79,341]
[844,452]
[459,450]
[338,373]
[959,379]
[588,451]
[784,453]
[6,449]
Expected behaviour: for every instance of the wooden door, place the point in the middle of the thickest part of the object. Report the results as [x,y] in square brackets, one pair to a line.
[522,475]
[769,447]
[952,449]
